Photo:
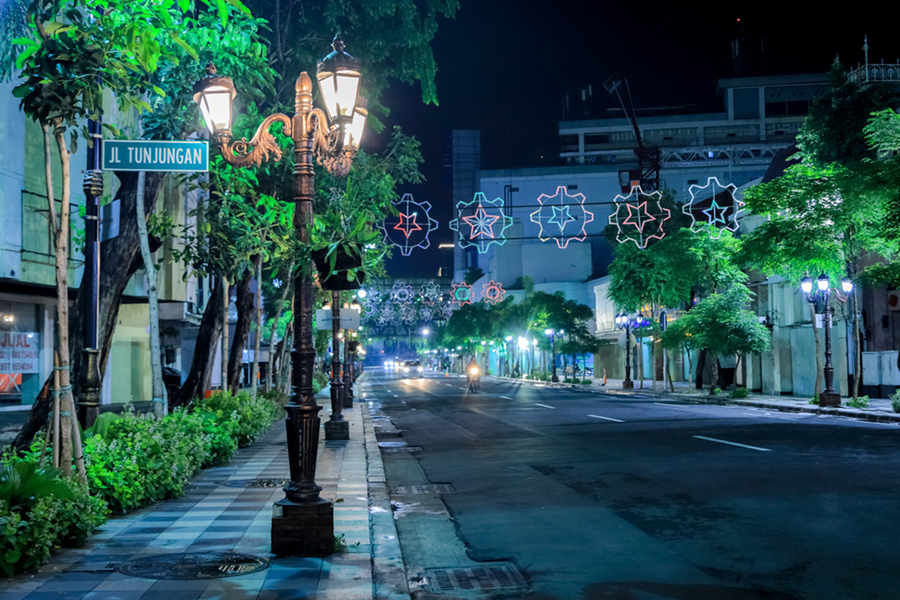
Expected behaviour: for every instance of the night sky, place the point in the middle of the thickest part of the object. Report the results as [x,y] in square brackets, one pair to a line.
[504,67]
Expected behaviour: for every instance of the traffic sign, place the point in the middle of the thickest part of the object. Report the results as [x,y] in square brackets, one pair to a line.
[155,155]
[349,318]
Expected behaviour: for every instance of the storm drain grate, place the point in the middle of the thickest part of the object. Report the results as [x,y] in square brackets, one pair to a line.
[504,577]
[256,483]
[435,488]
[401,449]
[197,565]
[391,444]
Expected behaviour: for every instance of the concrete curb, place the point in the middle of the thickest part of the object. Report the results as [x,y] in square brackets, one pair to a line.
[388,570]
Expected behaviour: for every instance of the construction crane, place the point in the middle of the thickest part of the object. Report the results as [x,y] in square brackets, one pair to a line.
[648,154]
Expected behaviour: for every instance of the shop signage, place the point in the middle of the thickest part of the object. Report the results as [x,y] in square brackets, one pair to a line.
[154,155]
[19,352]
[349,319]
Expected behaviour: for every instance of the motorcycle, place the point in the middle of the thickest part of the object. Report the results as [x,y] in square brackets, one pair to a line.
[473,379]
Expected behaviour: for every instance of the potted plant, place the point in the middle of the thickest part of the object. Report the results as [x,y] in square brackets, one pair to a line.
[338,246]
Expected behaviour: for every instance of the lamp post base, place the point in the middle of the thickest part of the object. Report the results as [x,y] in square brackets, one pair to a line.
[303,529]
[829,399]
[337,430]
[627,384]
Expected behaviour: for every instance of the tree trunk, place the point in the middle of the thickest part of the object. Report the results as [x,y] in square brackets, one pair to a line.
[690,370]
[159,389]
[270,365]
[226,301]
[857,345]
[714,378]
[820,361]
[198,379]
[244,304]
[701,364]
[254,375]
[119,259]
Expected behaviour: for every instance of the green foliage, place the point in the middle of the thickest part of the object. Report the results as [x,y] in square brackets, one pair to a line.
[586,381]
[739,392]
[858,402]
[251,417]
[895,401]
[814,400]
[721,325]
[23,483]
[53,513]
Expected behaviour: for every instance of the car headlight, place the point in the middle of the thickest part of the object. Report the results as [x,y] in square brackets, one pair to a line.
[420,369]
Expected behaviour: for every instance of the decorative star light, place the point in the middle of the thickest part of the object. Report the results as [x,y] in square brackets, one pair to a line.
[717,203]
[639,217]
[555,215]
[401,292]
[462,293]
[447,310]
[426,314]
[408,313]
[431,292]
[414,222]
[493,292]
[486,221]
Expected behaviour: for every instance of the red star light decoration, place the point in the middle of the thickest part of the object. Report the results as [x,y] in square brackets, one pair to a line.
[639,217]
[415,223]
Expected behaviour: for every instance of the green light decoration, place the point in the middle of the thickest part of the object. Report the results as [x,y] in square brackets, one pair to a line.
[461,293]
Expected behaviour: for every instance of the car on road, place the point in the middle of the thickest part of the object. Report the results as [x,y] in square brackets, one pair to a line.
[412,368]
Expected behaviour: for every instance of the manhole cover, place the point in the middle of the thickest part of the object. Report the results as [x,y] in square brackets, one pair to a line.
[199,565]
[488,578]
[256,483]
[437,488]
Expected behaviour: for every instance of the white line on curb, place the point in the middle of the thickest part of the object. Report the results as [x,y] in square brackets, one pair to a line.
[607,418]
[700,437]
[672,405]
[506,397]
[544,405]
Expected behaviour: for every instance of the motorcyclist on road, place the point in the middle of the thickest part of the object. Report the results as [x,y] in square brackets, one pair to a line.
[473,377]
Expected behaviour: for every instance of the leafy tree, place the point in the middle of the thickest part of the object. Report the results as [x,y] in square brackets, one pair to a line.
[721,325]
[679,337]
[831,210]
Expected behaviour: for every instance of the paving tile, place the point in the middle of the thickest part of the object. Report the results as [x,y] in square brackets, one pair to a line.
[55,595]
[181,594]
[67,586]
[132,595]
[124,585]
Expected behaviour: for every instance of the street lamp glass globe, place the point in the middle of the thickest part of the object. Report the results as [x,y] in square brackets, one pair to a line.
[523,343]
[823,282]
[361,293]
[425,331]
[846,285]
[215,95]
[806,285]
[338,75]
[509,338]
[548,332]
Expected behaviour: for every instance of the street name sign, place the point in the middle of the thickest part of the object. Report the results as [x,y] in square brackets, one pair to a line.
[155,155]
[349,319]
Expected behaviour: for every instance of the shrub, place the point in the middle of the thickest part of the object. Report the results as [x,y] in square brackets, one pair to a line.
[858,402]
[40,511]
[320,380]
[814,400]
[895,401]
[716,391]
[739,392]
[252,417]
[586,382]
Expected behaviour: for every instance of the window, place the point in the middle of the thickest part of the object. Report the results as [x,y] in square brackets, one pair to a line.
[746,103]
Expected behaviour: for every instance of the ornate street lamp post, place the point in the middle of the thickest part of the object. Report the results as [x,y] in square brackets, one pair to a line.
[821,297]
[623,321]
[303,521]
[336,428]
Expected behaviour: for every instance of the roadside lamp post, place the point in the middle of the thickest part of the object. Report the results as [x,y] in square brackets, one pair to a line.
[303,521]
[349,375]
[506,369]
[821,297]
[552,335]
[623,321]
[520,354]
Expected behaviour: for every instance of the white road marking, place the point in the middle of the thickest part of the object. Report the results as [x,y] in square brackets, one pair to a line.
[700,437]
[544,405]
[607,418]
[672,405]
[396,396]
[506,397]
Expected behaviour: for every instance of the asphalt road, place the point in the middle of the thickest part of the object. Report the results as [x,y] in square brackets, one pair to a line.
[590,496]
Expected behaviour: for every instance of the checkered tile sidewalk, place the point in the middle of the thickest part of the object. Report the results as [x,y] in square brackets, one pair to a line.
[216,518]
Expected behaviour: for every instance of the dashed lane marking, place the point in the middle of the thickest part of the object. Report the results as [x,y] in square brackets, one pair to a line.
[543,405]
[607,418]
[709,439]
[506,397]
